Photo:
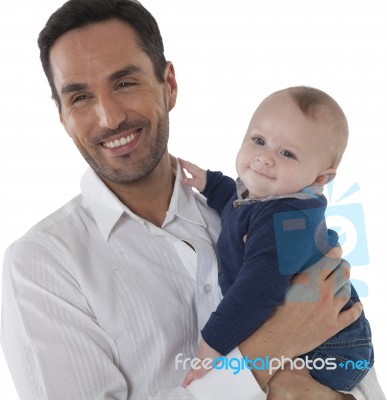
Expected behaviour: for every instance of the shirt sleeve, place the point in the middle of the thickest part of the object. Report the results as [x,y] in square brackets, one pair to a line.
[368,388]
[53,344]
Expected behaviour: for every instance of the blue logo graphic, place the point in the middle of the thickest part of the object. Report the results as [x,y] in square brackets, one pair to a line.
[301,237]
[348,221]
[359,365]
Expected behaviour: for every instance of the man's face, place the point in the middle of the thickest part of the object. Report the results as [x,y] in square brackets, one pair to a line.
[112,105]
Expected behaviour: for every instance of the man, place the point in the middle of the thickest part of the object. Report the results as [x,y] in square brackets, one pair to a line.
[102,297]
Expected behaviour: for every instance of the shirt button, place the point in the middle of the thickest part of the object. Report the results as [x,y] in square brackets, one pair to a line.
[207,289]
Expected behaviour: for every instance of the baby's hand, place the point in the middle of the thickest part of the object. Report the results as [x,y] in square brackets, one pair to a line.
[205,352]
[199,176]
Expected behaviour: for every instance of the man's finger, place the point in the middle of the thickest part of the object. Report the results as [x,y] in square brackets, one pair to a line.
[340,276]
[348,316]
[324,266]
[335,253]
[344,293]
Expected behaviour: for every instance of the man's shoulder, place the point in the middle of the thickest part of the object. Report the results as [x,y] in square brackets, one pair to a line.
[64,222]
[209,214]
[49,255]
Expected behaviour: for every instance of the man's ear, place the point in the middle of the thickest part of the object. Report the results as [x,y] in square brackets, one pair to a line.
[170,85]
[325,177]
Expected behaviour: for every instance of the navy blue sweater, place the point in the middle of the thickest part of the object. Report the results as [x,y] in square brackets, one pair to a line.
[284,236]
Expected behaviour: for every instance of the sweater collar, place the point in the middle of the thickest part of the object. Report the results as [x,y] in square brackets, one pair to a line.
[310,192]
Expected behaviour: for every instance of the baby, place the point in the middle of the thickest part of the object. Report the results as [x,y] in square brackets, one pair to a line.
[273,225]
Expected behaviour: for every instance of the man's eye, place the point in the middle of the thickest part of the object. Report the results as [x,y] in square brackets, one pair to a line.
[79,98]
[259,141]
[124,85]
[288,154]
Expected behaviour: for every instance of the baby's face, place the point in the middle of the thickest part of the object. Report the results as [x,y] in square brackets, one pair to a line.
[283,151]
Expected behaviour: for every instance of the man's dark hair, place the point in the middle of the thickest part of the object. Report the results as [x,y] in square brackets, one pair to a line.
[81,13]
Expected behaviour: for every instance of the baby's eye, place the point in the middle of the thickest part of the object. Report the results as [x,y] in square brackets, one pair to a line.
[288,154]
[259,141]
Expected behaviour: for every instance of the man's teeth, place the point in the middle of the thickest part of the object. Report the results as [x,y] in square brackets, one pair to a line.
[120,142]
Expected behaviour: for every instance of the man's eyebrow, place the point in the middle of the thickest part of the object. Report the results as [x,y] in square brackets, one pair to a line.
[78,87]
[73,87]
[129,70]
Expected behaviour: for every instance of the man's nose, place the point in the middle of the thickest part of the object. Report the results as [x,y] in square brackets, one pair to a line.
[110,112]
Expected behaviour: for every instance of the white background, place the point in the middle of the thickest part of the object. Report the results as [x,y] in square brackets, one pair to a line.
[228,55]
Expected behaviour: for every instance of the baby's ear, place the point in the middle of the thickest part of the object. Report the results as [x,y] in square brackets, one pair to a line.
[325,177]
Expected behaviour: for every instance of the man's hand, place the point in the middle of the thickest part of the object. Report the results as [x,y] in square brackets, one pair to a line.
[314,302]
[293,384]
[310,315]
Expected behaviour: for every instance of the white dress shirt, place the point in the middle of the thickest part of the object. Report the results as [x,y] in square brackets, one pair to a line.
[98,302]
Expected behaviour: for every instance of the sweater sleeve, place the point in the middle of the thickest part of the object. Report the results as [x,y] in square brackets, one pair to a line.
[262,280]
[218,191]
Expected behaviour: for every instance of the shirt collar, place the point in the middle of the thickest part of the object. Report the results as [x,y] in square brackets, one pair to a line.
[107,209]
[183,203]
[105,206]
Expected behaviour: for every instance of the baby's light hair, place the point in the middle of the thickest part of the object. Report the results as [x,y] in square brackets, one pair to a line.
[319,106]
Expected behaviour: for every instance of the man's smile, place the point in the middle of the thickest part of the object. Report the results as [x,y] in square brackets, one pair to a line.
[122,140]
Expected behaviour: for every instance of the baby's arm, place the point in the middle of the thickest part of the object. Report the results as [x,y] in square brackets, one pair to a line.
[199,175]
[205,353]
